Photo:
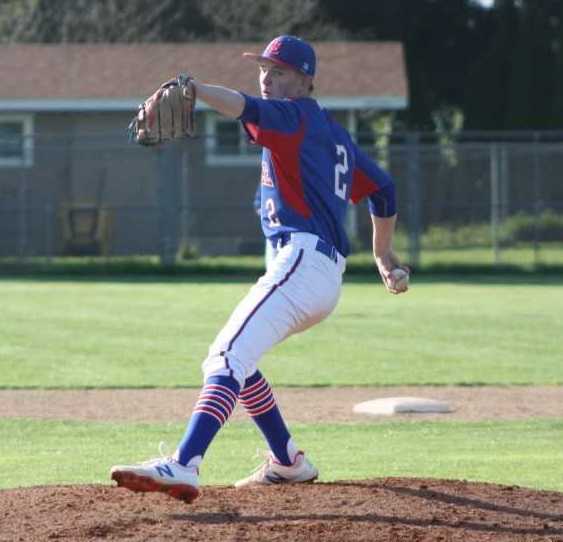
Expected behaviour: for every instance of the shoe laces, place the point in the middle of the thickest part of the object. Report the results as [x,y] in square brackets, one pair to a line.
[164,452]
[265,456]
[167,457]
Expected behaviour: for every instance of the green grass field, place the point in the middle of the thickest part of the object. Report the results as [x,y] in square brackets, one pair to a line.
[137,332]
[522,453]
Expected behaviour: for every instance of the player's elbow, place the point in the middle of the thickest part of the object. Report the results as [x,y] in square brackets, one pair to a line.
[383,203]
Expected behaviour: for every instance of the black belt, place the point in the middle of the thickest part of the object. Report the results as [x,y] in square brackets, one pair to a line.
[322,246]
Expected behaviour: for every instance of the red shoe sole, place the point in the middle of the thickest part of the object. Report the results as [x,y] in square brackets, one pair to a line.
[133,482]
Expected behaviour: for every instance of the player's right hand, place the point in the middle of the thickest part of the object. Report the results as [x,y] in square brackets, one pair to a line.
[395,276]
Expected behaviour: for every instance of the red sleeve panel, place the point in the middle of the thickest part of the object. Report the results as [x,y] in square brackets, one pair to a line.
[362,186]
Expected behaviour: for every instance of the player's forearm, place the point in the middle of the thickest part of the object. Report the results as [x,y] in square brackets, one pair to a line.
[383,230]
[226,101]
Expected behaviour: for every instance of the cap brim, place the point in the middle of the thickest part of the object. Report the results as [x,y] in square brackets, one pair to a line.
[260,58]
[253,56]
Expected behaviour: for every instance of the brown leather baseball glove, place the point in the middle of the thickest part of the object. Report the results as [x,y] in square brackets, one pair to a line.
[168,114]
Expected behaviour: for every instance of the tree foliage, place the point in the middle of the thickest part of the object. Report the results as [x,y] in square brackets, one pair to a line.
[517,82]
[503,67]
[252,20]
[80,21]
[84,21]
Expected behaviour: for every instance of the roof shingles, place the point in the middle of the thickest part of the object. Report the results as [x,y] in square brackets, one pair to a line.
[116,71]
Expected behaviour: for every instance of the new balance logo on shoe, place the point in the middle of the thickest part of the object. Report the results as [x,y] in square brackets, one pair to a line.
[163,474]
[164,470]
[274,478]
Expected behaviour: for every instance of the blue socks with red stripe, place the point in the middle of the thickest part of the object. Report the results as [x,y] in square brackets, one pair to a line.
[216,403]
[259,402]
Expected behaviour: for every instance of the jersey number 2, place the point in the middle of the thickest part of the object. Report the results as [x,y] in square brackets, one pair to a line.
[340,169]
[272,214]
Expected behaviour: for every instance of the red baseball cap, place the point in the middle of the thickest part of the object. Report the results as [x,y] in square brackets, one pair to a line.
[289,51]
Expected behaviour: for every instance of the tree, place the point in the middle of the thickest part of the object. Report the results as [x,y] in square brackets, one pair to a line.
[260,20]
[85,21]
[442,39]
[80,21]
[487,81]
[518,80]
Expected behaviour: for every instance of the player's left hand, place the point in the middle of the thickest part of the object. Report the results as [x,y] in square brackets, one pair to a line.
[167,114]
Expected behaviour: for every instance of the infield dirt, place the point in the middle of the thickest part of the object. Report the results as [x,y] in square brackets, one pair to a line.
[304,405]
[379,510]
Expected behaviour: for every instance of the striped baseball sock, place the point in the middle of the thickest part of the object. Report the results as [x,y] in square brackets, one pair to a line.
[260,403]
[216,403]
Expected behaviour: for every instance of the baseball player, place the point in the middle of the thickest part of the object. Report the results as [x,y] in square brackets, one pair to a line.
[311,169]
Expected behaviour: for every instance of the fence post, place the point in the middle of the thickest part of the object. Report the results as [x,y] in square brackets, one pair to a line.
[49,225]
[169,201]
[22,215]
[351,224]
[495,200]
[538,204]
[186,197]
[413,191]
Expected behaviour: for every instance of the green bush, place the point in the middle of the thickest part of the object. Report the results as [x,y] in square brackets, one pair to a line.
[521,227]
[444,236]
[548,226]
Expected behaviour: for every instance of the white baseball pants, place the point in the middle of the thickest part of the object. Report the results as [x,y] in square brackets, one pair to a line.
[300,288]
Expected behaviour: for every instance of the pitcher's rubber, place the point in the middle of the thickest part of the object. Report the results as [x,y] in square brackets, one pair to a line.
[133,482]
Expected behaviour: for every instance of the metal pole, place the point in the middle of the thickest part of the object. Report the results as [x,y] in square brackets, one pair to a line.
[22,237]
[185,188]
[495,200]
[537,199]
[169,200]
[351,224]
[49,234]
[413,191]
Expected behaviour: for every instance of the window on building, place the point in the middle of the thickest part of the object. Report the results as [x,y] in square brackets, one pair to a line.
[227,143]
[16,143]
[227,137]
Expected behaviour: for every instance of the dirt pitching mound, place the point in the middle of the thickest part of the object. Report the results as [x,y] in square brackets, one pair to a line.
[390,509]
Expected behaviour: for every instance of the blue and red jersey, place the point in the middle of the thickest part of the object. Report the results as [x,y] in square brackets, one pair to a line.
[311,169]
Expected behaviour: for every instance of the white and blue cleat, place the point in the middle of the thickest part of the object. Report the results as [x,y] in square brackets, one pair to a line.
[271,472]
[164,475]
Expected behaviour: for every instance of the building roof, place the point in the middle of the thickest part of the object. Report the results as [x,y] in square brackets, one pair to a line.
[119,76]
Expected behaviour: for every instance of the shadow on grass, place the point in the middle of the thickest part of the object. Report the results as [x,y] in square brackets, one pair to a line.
[224,271]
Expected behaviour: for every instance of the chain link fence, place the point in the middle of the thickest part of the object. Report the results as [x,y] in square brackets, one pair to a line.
[487,196]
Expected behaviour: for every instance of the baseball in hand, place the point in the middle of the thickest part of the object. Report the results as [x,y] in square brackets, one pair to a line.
[399,279]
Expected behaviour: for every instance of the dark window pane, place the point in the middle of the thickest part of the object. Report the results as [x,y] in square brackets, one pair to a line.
[228,137]
[11,140]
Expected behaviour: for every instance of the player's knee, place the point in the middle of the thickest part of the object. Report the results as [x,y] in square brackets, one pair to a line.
[220,365]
